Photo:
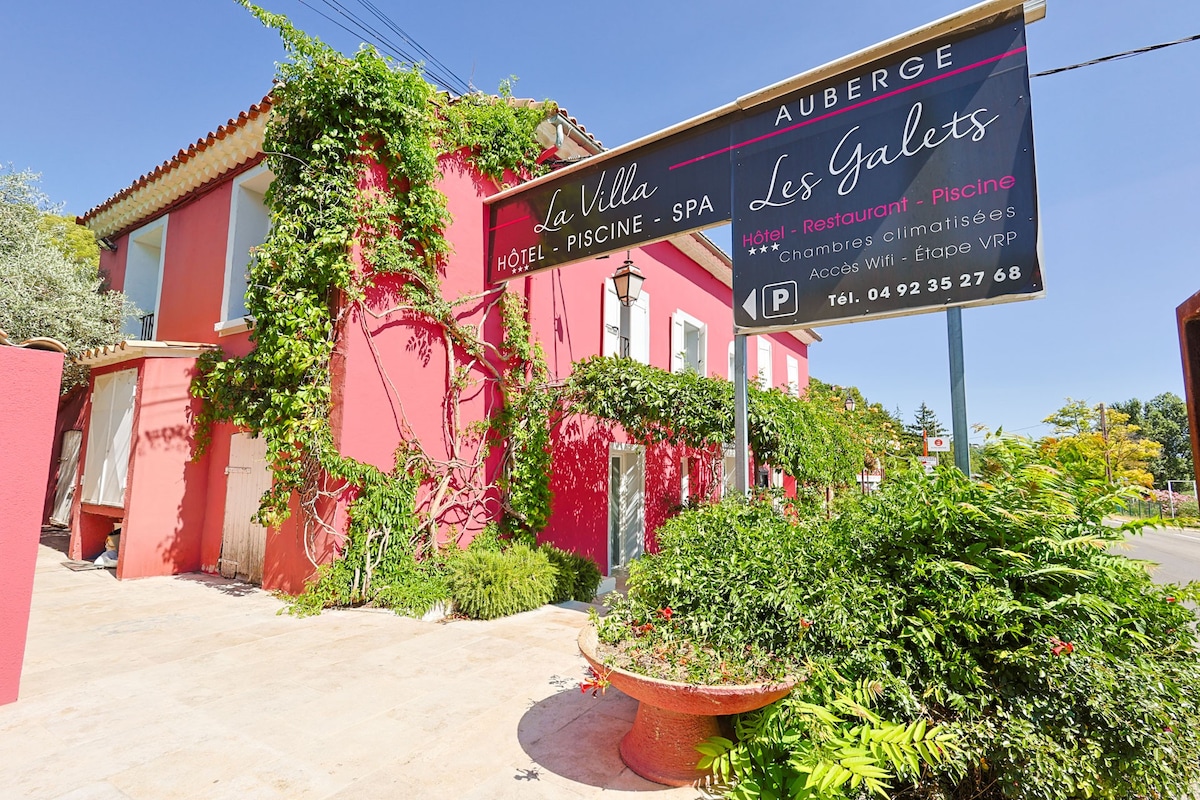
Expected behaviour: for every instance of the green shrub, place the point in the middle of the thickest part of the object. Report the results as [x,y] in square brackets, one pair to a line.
[486,584]
[576,577]
[994,607]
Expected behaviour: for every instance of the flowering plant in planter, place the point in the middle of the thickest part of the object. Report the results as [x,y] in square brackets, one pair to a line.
[993,611]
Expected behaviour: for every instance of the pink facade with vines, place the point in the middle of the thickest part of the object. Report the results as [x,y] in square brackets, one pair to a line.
[391,383]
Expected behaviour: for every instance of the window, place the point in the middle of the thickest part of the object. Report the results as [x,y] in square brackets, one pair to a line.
[689,344]
[731,361]
[685,480]
[110,434]
[639,325]
[766,376]
[729,472]
[793,376]
[143,278]
[249,223]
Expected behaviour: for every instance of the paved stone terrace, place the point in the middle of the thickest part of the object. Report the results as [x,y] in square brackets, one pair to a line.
[193,687]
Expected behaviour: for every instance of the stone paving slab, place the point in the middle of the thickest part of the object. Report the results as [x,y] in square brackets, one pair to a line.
[195,687]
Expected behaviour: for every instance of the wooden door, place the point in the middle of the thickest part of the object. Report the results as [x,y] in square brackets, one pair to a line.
[244,542]
[68,469]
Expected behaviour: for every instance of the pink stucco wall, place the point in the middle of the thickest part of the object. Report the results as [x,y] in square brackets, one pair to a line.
[390,386]
[29,382]
[167,491]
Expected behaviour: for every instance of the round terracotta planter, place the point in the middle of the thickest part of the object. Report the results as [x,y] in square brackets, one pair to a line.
[672,718]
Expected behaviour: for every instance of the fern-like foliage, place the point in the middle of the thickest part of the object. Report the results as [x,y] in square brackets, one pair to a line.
[798,750]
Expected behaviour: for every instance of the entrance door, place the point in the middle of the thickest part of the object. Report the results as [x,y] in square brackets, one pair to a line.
[626,506]
[243,542]
[68,468]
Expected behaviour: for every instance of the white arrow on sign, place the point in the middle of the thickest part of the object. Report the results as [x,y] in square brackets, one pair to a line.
[751,305]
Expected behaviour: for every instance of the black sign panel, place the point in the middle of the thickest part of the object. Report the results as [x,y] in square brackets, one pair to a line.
[905,186]
[678,184]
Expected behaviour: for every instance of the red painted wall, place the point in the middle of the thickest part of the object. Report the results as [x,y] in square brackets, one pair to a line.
[167,491]
[194,268]
[29,382]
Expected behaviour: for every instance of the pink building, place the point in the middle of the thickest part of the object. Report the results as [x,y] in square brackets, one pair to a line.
[179,241]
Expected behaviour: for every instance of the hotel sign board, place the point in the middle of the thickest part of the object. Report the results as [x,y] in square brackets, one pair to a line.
[907,185]
[897,185]
[613,204]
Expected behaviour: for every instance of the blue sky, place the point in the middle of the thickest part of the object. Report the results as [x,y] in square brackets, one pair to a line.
[98,93]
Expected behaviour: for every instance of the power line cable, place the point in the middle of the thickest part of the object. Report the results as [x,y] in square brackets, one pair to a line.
[1116,56]
[430,58]
[365,32]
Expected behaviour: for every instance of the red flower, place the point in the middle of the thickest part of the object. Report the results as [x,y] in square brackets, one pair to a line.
[1061,647]
[666,613]
[597,682]
[642,630]
[805,624]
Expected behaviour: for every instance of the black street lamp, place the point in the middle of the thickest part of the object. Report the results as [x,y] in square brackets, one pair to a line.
[627,280]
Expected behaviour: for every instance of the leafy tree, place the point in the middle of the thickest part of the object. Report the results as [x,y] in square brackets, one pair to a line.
[925,423]
[1091,451]
[50,284]
[881,431]
[1164,419]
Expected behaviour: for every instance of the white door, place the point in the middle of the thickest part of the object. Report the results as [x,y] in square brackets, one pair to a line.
[68,467]
[626,506]
[244,542]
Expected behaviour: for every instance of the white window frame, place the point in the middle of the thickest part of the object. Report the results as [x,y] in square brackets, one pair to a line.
[639,325]
[793,376]
[110,438]
[235,258]
[731,361]
[766,371]
[680,322]
[685,480]
[137,239]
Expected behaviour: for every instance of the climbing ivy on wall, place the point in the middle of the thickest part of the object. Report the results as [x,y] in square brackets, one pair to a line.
[808,440]
[335,117]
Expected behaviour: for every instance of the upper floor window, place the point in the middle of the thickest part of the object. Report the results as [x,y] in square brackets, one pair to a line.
[689,344]
[766,374]
[249,223]
[793,376]
[143,277]
[639,325]
[732,362]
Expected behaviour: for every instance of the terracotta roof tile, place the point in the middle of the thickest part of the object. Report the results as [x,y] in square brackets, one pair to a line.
[182,157]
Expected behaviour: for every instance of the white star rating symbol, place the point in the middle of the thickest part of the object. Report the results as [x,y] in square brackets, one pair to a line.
[763,249]
[773,247]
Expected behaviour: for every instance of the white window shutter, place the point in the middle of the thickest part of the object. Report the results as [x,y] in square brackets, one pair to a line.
[702,366]
[793,376]
[639,330]
[731,364]
[764,364]
[110,433]
[610,337]
[678,343]
[124,391]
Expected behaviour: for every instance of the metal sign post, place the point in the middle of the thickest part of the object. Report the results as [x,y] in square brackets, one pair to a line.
[958,391]
[741,428]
